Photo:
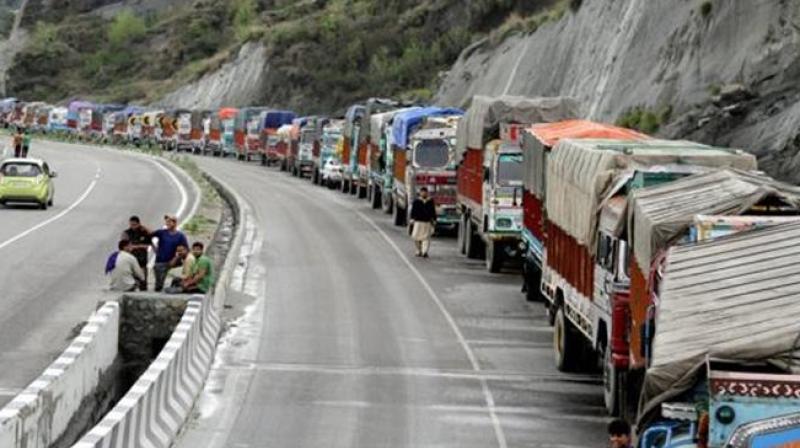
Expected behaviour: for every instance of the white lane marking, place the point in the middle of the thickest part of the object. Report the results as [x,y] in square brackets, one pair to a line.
[58,216]
[181,189]
[487,393]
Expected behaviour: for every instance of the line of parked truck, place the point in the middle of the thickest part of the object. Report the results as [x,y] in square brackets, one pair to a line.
[669,266]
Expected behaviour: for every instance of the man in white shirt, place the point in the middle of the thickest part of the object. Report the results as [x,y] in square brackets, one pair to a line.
[127,273]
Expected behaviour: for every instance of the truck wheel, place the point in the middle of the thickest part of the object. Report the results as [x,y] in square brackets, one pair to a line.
[462,238]
[566,343]
[612,382]
[376,198]
[474,242]
[494,257]
[263,161]
[345,186]
[362,192]
[533,285]
[399,216]
[388,204]
[315,178]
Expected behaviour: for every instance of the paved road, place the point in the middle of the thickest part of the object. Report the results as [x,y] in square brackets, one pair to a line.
[51,262]
[349,343]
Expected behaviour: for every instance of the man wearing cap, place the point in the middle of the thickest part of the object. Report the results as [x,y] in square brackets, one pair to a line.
[169,238]
[139,237]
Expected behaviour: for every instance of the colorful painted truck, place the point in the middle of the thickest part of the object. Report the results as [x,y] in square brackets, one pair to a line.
[489,160]
[585,279]
[423,150]
[7,106]
[57,122]
[183,129]
[331,133]
[228,119]
[662,216]
[244,118]
[380,176]
[308,144]
[537,143]
[722,371]
[214,134]
[271,122]
[356,143]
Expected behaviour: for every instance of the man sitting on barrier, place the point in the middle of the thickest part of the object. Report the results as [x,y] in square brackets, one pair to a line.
[201,276]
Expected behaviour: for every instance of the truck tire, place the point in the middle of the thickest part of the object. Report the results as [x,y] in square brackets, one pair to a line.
[399,216]
[533,280]
[362,192]
[377,201]
[612,385]
[263,161]
[388,204]
[315,177]
[567,344]
[474,242]
[462,238]
[494,257]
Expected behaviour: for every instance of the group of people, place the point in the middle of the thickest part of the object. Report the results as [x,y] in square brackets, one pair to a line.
[178,269]
[22,143]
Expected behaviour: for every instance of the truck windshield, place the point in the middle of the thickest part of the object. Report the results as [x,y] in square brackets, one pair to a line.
[433,153]
[509,169]
[307,137]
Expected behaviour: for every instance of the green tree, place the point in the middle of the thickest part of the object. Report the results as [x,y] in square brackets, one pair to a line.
[126,28]
[244,15]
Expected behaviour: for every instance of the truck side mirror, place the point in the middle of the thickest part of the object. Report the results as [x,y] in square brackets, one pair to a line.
[487,175]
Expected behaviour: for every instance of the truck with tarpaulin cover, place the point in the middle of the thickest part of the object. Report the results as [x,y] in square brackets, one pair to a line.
[723,370]
[356,142]
[695,208]
[537,143]
[215,130]
[270,122]
[489,172]
[7,106]
[380,175]
[244,118]
[585,279]
[331,133]
[423,142]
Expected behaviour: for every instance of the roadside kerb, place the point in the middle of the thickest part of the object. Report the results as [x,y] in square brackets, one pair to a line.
[155,407]
[54,404]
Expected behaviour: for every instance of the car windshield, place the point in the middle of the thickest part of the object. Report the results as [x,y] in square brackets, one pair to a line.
[433,153]
[21,170]
[509,169]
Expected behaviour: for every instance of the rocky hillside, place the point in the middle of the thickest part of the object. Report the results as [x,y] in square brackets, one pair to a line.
[718,71]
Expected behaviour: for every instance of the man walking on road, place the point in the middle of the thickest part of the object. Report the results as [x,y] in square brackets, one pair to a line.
[127,274]
[26,143]
[423,221]
[17,144]
[140,239]
[169,238]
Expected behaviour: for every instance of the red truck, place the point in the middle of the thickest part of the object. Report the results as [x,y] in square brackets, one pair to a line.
[537,143]
[585,279]
[489,172]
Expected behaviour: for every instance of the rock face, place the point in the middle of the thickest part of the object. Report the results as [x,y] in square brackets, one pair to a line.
[725,70]
[237,82]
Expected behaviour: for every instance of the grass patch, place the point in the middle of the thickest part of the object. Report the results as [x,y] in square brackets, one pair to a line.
[645,120]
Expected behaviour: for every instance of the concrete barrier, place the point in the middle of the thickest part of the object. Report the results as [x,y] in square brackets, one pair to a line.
[156,406]
[57,405]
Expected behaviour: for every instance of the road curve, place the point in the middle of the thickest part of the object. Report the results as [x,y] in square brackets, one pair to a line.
[51,262]
[349,343]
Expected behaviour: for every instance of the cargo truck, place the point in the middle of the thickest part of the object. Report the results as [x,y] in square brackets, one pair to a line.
[183,130]
[306,135]
[489,172]
[380,177]
[721,372]
[537,143]
[356,142]
[585,279]
[241,129]
[423,143]
[269,123]
[331,133]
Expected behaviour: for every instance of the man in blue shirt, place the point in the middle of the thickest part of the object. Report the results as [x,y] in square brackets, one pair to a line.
[169,238]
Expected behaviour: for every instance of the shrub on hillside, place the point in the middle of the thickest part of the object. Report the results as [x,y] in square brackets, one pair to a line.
[126,28]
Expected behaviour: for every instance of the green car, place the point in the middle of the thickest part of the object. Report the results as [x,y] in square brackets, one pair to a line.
[26,181]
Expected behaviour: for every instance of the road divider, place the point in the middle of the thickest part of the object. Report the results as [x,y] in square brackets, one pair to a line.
[56,407]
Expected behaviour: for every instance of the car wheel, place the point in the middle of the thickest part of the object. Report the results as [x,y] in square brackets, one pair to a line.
[43,206]
[50,202]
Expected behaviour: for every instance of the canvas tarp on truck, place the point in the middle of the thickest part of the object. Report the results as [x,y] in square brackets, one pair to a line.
[378,122]
[735,298]
[537,139]
[582,174]
[406,123]
[487,113]
[660,214]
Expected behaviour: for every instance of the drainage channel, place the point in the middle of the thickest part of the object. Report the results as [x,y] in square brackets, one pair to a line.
[138,356]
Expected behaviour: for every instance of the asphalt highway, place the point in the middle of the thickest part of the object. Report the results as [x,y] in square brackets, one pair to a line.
[51,262]
[349,341]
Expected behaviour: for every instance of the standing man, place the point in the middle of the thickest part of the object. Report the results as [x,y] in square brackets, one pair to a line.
[619,434]
[17,143]
[423,221]
[26,143]
[127,274]
[140,239]
[169,238]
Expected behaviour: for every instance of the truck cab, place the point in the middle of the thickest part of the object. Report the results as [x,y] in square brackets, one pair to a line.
[330,137]
[501,221]
[432,166]
[305,151]
[183,131]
